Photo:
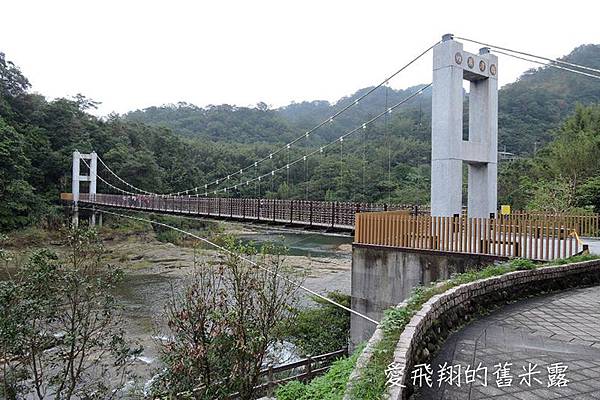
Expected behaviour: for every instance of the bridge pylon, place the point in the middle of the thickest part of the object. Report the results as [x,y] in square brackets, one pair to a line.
[449,149]
[77,178]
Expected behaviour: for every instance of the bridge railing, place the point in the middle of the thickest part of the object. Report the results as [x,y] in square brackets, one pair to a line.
[506,236]
[329,214]
[584,224]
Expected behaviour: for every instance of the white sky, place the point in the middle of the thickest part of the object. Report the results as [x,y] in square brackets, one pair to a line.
[134,54]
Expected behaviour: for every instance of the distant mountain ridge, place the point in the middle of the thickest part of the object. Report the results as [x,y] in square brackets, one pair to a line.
[529,109]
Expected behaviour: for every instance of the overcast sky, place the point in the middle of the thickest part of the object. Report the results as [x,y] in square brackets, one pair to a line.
[135,54]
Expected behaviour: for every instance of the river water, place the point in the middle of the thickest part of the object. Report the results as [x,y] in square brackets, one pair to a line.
[154,270]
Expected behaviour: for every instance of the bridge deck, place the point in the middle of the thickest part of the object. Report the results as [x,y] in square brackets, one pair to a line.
[318,214]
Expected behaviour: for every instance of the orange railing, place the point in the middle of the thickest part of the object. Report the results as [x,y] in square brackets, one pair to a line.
[584,224]
[506,236]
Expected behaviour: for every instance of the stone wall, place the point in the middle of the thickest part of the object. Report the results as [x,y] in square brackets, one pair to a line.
[382,277]
[428,329]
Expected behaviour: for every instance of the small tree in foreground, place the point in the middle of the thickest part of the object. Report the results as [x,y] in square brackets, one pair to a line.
[222,323]
[60,328]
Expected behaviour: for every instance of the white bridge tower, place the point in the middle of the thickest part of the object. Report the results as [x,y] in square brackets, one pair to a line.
[452,65]
[77,178]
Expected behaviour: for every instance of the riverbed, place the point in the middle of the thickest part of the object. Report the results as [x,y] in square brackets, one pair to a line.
[153,269]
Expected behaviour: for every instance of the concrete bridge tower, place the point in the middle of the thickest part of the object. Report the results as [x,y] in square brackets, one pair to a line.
[452,65]
[77,178]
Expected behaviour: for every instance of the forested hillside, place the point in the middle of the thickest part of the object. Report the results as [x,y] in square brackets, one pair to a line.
[176,147]
[528,110]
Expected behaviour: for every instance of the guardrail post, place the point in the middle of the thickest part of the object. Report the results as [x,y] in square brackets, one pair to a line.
[333,204]
[270,381]
[309,361]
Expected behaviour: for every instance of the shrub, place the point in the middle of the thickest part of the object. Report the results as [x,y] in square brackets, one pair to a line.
[330,386]
[320,329]
[521,264]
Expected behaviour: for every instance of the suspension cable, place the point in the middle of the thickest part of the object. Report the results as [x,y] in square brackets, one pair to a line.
[122,180]
[251,262]
[108,183]
[552,60]
[321,149]
[330,119]
[548,65]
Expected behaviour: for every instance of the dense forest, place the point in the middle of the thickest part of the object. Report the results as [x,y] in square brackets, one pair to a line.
[177,147]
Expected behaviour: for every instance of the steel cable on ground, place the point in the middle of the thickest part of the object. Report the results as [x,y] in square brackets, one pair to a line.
[251,262]
[307,133]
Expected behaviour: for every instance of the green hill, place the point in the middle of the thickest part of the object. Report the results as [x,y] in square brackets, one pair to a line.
[528,110]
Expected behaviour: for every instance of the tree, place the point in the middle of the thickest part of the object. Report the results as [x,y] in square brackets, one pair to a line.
[222,324]
[16,194]
[552,197]
[589,194]
[60,326]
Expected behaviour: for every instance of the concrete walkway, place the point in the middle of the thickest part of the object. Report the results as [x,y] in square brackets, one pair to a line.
[594,244]
[559,328]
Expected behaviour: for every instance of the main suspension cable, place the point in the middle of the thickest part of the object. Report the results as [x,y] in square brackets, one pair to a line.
[548,65]
[122,180]
[552,60]
[330,119]
[321,149]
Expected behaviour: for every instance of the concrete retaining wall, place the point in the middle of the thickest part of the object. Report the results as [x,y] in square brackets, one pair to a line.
[384,276]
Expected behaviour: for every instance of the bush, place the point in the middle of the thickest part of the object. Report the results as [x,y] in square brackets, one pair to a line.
[330,386]
[320,329]
[169,236]
[521,264]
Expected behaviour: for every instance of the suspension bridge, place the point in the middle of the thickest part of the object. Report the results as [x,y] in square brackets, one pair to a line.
[445,226]
[396,246]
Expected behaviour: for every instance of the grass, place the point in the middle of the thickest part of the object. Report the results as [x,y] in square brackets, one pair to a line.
[31,236]
[330,386]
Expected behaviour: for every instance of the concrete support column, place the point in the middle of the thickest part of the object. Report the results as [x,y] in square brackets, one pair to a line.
[483,131]
[446,130]
[451,66]
[93,175]
[482,190]
[75,187]
[75,176]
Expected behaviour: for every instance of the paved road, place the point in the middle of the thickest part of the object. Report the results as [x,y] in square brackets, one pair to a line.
[559,328]
[594,244]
